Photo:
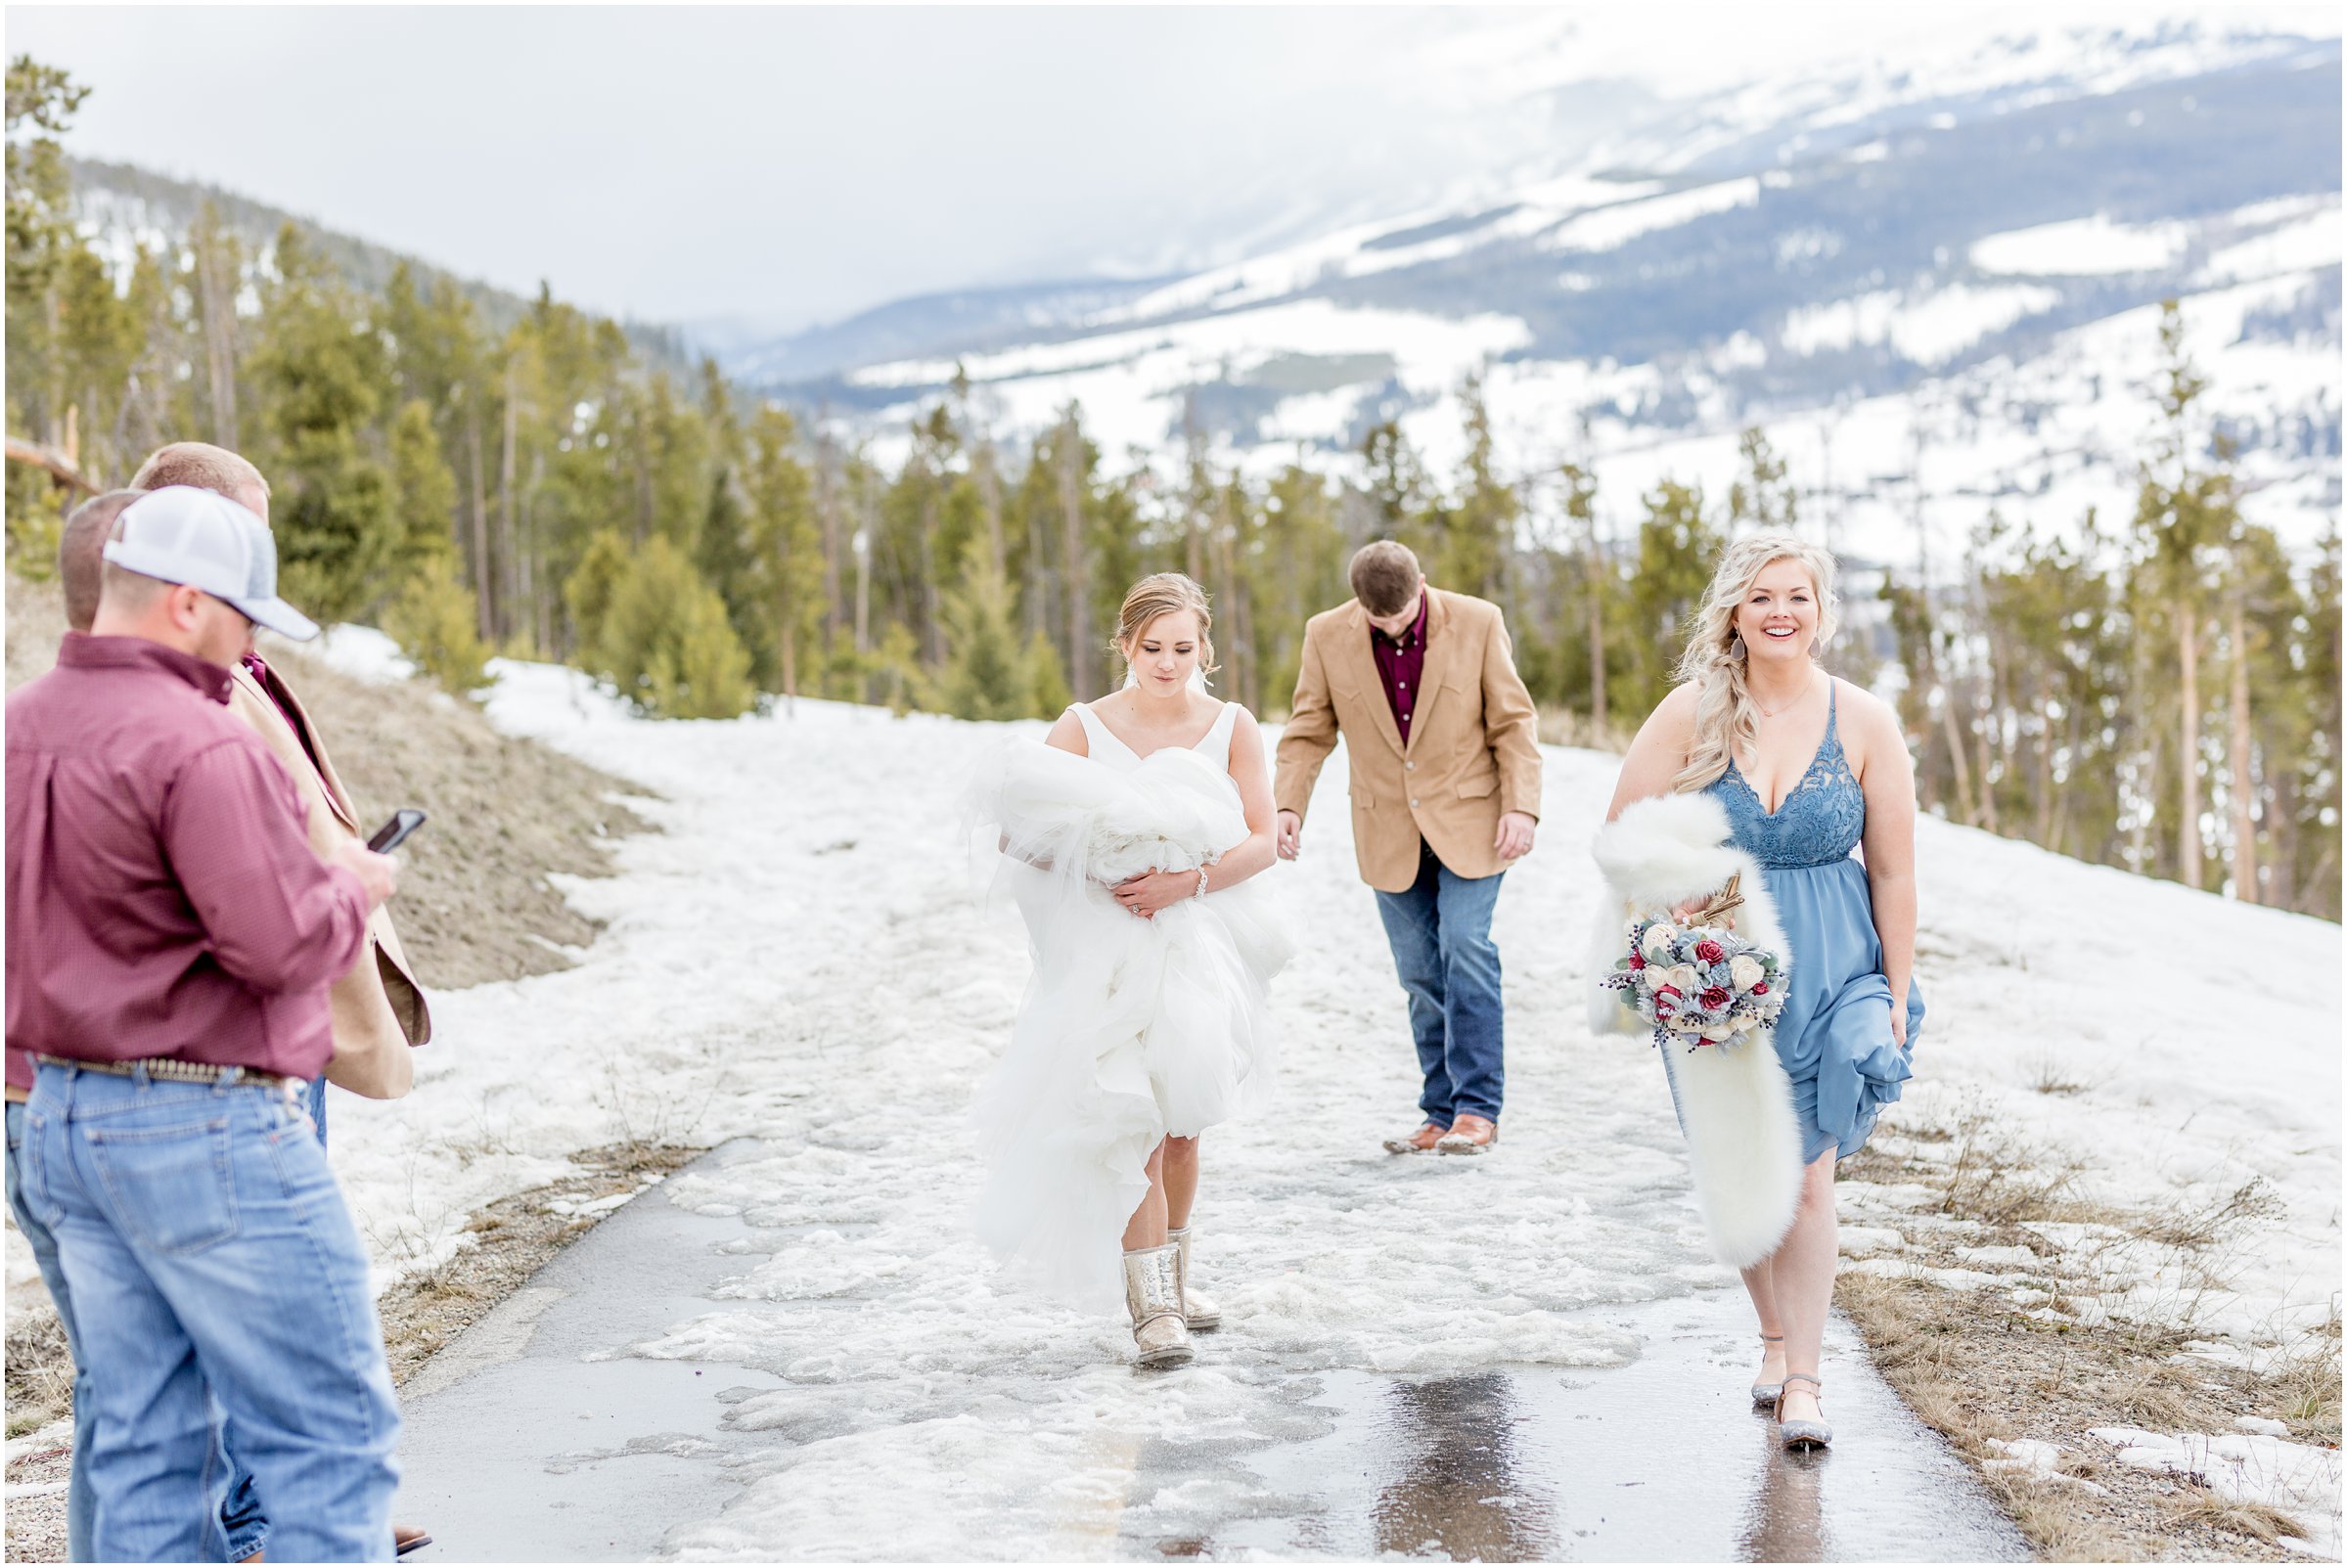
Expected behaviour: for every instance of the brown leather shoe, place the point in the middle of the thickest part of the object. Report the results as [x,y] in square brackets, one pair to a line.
[1421,1141]
[407,1538]
[1468,1135]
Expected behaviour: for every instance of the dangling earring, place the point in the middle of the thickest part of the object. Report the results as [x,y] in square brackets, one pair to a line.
[1735,645]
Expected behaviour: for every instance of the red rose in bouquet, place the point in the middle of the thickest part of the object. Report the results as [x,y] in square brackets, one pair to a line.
[1710,951]
[1715,998]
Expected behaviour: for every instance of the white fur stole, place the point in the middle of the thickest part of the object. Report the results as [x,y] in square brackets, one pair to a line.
[1744,1143]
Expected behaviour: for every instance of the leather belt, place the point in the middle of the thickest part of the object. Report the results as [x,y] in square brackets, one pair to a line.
[174,1071]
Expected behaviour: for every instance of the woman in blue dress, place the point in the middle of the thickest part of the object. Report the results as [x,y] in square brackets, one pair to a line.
[1808,767]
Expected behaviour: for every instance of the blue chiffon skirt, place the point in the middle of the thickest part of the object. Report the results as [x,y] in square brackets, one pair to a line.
[1834,1034]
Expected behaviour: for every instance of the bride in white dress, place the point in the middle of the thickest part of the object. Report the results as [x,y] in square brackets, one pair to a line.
[1130,839]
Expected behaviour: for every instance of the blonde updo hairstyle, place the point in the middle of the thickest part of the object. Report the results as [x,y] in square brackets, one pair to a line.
[1715,657]
[1163,594]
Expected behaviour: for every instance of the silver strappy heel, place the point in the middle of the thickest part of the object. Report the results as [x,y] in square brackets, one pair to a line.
[1800,1435]
[1764,1394]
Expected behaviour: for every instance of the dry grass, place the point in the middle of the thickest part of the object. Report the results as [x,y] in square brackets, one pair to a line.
[512,1239]
[1981,1368]
[40,1375]
[1977,1370]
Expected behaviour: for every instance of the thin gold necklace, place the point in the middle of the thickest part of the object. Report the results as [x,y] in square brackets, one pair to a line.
[1767,713]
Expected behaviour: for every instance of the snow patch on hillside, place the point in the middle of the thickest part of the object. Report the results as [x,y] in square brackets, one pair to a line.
[2082,247]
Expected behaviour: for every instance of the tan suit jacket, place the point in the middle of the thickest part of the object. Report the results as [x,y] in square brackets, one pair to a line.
[1472,753]
[379,1011]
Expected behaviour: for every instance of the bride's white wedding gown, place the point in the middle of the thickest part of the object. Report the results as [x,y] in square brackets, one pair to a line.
[1131,1029]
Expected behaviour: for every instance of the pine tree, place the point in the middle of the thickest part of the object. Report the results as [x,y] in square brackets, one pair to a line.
[786,540]
[425,487]
[985,676]
[666,644]
[592,584]
[434,622]
[1479,532]
[1678,549]
[323,380]
[1761,497]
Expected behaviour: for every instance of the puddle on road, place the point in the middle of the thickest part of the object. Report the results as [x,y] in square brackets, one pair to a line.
[548,1446]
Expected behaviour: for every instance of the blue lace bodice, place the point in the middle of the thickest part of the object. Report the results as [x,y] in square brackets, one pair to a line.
[1820,820]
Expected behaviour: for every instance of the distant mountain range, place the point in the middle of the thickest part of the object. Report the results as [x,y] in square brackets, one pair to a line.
[1931,279]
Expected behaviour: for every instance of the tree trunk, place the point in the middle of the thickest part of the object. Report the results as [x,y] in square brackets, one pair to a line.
[217,298]
[2244,800]
[1964,775]
[990,502]
[827,518]
[484,597]
[2045,761]
[2187,829]
[1079,593]
[1988,784]
[1597,638]
[508,574]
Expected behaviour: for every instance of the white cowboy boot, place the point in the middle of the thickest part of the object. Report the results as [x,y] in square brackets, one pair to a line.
[1201,1315]
[1154,1296]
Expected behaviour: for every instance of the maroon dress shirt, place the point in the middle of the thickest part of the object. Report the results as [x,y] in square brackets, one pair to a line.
[163,896]
[1400,662]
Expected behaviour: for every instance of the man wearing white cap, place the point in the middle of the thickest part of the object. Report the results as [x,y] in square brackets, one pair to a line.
[171,938]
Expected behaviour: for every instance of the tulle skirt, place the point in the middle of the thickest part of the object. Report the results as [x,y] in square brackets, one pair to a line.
[1131,1030]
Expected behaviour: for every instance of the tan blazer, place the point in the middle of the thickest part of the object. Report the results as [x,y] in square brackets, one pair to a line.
[1471,755]
[378,1009]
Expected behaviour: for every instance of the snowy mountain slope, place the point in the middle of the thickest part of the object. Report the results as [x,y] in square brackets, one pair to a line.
[1954,248]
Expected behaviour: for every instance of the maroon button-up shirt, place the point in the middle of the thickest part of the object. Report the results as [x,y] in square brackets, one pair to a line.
[1400,663]
[163,896]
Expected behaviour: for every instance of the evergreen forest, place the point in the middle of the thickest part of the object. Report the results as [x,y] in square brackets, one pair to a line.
[2158,691]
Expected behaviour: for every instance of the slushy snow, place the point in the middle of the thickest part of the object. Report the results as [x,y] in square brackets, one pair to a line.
[795,957]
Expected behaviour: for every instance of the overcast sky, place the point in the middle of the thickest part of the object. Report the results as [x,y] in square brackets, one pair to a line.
[795,165]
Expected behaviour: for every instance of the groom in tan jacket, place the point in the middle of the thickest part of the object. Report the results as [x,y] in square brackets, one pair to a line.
[1439,733]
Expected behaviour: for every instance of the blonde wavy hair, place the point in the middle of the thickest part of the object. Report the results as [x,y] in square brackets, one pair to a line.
[1161,594]
[1724,716]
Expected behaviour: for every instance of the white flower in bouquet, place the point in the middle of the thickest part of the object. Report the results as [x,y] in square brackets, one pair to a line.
[1682,975]
[1658,939]
[1744,972]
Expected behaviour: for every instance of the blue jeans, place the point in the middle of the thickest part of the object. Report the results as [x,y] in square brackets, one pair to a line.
[241,1516]
[209,1256]
[1440,933]
[44,1253]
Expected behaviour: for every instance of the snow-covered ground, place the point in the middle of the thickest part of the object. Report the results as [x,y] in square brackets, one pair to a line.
[796,957]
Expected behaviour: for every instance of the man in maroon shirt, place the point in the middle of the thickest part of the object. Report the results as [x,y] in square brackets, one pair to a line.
[1445,784]
[170,937]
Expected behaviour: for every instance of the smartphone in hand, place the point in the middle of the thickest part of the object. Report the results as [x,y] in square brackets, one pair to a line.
[392,835]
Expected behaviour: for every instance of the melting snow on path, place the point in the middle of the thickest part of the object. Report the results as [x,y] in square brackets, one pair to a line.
[795,957]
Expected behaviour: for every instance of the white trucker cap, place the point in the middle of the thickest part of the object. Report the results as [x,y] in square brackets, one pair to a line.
[180,534]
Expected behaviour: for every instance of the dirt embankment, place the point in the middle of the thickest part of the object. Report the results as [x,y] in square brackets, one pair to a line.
[475,902]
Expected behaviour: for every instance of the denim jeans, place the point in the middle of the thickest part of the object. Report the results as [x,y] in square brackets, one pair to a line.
[242,1516]
[44,1253]
[209,1257]
[1440,933]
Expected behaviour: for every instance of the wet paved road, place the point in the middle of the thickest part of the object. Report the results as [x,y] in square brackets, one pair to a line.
[536,1437]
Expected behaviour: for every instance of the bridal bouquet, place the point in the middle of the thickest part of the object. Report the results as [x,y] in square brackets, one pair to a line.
[1698,984]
